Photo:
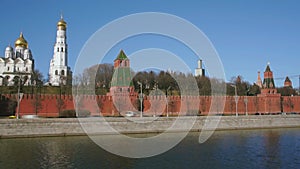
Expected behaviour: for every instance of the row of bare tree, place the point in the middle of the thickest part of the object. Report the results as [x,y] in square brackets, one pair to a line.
[98,78]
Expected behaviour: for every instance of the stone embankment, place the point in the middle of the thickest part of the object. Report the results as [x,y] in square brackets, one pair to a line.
[13,128]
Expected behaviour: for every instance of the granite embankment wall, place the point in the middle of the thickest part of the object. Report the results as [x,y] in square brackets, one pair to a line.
[12,128]
[98,105]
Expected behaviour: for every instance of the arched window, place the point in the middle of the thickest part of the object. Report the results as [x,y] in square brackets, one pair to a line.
[6,80]
[62,49]
[56,72]
[63,72]
[18,54]
[57,49]
[26,69]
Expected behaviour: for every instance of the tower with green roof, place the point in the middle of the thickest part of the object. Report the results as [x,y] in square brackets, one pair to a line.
[122,77]
[121,88]
[269,98]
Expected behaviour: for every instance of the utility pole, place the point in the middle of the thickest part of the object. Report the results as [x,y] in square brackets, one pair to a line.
[236,98]
[246,102]
[168,101]
[298,84]
[20,95]
[141,98]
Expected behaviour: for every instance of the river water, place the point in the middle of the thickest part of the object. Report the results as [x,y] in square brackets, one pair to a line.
[265,149]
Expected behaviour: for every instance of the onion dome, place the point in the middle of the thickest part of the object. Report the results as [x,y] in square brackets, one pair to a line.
[21,42]
[9,48]
[27,51]
[61,24]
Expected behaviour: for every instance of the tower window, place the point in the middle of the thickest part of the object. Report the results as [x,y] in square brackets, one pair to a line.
[56,72]
[62,49]
[26,69]
[57,49]
[63,72]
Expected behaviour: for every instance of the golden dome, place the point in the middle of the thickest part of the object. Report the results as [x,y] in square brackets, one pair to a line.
[61,24]
[21,41]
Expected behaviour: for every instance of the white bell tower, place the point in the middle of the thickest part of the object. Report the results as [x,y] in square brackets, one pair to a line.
[59,72]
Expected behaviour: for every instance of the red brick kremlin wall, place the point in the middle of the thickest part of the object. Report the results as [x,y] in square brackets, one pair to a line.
[177,105]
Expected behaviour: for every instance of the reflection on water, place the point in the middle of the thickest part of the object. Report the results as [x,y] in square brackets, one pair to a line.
[225,149]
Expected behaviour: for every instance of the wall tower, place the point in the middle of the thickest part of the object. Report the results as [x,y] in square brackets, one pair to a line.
[121,82]
[268,83]
[258,81]
[288,82]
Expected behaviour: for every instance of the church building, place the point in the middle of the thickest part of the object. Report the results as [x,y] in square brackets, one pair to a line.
[17,63]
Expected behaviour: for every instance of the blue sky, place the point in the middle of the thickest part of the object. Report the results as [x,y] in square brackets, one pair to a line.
[246,34]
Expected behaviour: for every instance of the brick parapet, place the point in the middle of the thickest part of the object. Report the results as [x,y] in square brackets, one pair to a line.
[104,105]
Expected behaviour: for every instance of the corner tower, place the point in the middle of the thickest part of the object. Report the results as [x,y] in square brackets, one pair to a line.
[59,72]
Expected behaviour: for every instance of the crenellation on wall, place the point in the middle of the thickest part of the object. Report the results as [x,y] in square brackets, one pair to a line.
[103,105]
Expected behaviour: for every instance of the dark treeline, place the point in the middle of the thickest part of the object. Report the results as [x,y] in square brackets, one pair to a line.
[99,76]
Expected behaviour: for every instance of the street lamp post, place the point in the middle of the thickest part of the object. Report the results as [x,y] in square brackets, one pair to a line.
[141,98]
[236,98]
[246,102]
[18,98]
[168,101]
[20,95]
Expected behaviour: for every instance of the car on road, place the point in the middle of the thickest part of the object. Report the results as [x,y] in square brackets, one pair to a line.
[131,114]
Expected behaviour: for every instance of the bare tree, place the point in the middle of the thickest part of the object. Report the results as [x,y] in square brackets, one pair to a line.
[37,80]
[60,105]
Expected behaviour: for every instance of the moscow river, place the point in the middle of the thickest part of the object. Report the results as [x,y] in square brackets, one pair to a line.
[268,148]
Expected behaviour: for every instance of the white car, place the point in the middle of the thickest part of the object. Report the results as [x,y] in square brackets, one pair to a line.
[129,114]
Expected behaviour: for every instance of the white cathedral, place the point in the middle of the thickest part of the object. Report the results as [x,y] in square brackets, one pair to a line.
[18,62]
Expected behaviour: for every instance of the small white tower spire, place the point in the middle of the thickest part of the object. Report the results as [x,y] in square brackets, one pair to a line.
[199,71]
